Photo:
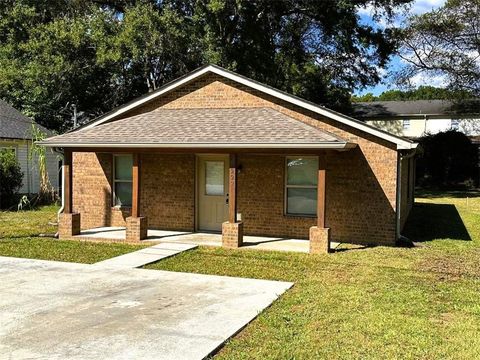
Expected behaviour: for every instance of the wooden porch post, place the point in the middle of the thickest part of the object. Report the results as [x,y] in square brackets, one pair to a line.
[320,235]
[136,185]
[321,191]
[67,173]
[232,230]
[232,189]
[137,226]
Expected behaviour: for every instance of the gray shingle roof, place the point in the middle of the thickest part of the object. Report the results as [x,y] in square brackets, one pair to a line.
[381,109]
[15,125]
[198,127]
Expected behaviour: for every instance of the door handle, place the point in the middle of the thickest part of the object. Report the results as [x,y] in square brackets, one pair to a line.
[226,199]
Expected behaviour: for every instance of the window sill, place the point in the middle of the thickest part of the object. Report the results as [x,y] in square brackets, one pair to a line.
[300,216]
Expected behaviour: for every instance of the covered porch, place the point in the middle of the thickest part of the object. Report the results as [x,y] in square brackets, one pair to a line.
[118,234]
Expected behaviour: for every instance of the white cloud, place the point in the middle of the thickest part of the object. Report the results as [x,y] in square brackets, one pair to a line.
[418,7]
[423,6]
[429,79]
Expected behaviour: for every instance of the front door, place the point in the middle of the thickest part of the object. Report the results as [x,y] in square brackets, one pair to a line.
[212,191]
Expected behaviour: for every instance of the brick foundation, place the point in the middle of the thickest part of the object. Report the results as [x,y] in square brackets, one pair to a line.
[137,228]
[232,235]
[68,225]
[319,240]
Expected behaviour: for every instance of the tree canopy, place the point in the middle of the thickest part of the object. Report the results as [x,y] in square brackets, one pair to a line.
[93,55]
[446,43]
[420,93]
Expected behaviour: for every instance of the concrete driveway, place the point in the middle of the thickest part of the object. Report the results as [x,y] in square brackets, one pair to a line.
[55,310]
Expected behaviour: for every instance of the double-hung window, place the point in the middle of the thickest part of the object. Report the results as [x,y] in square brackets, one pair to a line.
[406,124]
[122,180]
[301,185]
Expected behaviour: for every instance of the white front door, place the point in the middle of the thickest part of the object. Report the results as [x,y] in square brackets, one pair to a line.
[212,191]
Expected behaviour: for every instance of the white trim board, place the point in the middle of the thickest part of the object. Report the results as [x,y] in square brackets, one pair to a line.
[400,142]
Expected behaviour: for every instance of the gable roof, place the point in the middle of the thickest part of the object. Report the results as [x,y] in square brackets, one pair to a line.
[401,143]
[211,128]
[385,109]
[15,125]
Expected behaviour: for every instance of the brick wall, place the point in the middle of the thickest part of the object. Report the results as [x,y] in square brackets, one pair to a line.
[361,183]
[168,191]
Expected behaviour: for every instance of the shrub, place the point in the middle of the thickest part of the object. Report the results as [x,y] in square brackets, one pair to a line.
[449,160]
[10,178]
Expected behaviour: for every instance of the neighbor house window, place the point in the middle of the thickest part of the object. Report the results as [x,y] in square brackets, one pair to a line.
[122,180]
[406,124]
[301,185]
[454,124]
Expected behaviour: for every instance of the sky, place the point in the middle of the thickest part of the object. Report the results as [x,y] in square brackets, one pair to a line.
[418,7]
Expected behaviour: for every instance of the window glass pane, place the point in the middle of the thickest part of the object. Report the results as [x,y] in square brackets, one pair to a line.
[123,193]
[214,177]
[302,171]
[302,201]
[123,167]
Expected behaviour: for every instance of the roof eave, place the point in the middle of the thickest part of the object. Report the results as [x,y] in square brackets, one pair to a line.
[321,145]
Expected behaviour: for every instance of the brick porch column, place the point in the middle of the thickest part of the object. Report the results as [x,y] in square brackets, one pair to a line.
[137,226]
[232,230]
[320,235]
[68,222]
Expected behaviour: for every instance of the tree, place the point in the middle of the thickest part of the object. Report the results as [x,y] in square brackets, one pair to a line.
[449,159]
[420,93]
[445,42]
[11,177]
[98,54]
[37,154]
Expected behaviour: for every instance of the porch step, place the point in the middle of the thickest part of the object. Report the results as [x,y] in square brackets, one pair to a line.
[146,256]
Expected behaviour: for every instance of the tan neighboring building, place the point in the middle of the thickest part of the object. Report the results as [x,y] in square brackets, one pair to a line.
[416,118]
[217,152]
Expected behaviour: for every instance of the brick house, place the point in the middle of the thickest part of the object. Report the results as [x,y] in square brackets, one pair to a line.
[216,151]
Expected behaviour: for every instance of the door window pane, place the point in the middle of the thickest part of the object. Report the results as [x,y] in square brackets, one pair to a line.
[302,201]
[302,171]
[214,178]
[123,193]
[123,167]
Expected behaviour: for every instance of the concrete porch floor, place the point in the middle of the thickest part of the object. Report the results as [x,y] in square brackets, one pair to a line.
[199,238]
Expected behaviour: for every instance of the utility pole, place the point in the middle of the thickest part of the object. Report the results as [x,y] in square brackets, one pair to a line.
[74,117]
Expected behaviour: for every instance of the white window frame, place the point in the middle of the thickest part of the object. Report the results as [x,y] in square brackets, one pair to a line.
[406,124]
[115,181]
[286,187]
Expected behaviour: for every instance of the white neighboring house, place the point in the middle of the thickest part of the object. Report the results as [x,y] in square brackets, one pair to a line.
[16,134]
[416,118]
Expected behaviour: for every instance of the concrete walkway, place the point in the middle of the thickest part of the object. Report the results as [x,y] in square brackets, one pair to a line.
[146,256]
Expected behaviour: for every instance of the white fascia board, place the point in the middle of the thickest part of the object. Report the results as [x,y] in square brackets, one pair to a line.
[326,145]
[401,144]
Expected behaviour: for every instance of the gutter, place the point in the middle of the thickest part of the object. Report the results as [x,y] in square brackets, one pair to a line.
[62,207]
[324,145]
[400,157]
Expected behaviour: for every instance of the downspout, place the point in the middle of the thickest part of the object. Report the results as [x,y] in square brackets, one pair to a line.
[60,152]
[400,157]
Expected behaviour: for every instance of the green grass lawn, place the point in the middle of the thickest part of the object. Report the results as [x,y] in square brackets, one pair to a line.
[366,303]
[18,238]
[358,303]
